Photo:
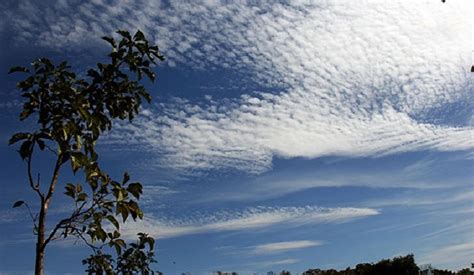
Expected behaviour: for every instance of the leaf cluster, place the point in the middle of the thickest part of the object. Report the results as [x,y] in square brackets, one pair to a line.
[73,112]
[137,258]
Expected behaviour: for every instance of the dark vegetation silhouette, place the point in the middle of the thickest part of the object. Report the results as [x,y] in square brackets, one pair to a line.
[396,266]
[71,113]
[404,265]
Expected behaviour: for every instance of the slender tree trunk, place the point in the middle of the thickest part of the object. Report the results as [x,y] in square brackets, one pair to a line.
[41,241]
[39,262]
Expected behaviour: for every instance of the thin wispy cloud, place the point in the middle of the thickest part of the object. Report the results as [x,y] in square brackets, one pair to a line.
[153,195]
[246,220]
[425,178]
[424,200]
[288,261]
[280,247]
[451,255]
[456,228]
[12,215]
[376,86]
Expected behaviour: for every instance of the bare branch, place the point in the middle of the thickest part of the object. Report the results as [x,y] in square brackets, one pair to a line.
[54,178]
[33,185]
[67,221]
[33,218]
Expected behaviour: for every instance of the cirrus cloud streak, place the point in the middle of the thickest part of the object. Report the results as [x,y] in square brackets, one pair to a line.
[248,219]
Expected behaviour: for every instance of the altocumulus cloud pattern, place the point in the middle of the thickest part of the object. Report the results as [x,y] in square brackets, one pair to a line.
[350,78]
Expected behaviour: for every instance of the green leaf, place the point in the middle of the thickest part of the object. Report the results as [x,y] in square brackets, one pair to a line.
[93,184]
[113,221]
[17,137]
[151,242]
[126,178]
[25,113]
[125,34]
[65,157]
[135,189]
[70,190]
[25,149]
[75,164]
[18,69]
[122,210]
[93,73]
[64,134]
[109,39]
[18,204]
[78,144]
[120,195]
[100,233]
[134,209]
[139,36]
[26,84]
[118,244]
[78,188]
[63,65]
[81,197]
[77,161]
[41,144]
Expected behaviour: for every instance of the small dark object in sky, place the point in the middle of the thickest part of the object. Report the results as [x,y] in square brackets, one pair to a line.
[444,1]
[472,69]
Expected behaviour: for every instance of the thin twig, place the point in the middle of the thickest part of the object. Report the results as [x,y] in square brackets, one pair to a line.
[33,185]
[31,215]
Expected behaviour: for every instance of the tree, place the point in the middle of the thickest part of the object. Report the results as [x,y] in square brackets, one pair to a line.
[465,271]
[72,113]
[442,272]
[396,266]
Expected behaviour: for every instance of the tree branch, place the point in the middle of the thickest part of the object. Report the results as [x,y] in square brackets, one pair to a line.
[33,185]
[54,178]
[33,218]
[67,221]
[76,214]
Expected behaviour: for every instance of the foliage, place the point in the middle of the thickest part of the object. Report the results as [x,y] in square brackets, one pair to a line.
[136,258]
[465,271]
[396,266]
[72,113]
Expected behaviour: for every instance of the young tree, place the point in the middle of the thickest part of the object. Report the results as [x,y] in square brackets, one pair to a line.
[72,113]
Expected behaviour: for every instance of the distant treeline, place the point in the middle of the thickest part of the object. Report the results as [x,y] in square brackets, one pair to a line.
[397,266]
[404,265]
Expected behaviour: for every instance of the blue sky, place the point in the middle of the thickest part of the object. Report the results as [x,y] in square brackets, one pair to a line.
[281,136]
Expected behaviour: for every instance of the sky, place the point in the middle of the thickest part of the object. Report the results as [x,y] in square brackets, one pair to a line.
[282,135]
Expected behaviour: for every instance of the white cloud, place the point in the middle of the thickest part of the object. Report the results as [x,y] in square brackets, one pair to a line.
[364,78]
[12,215]
[427,179]
[424,200]
[249,219]
[153,194]
[284,246]
[456,228]
[278,262]
[458,255]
